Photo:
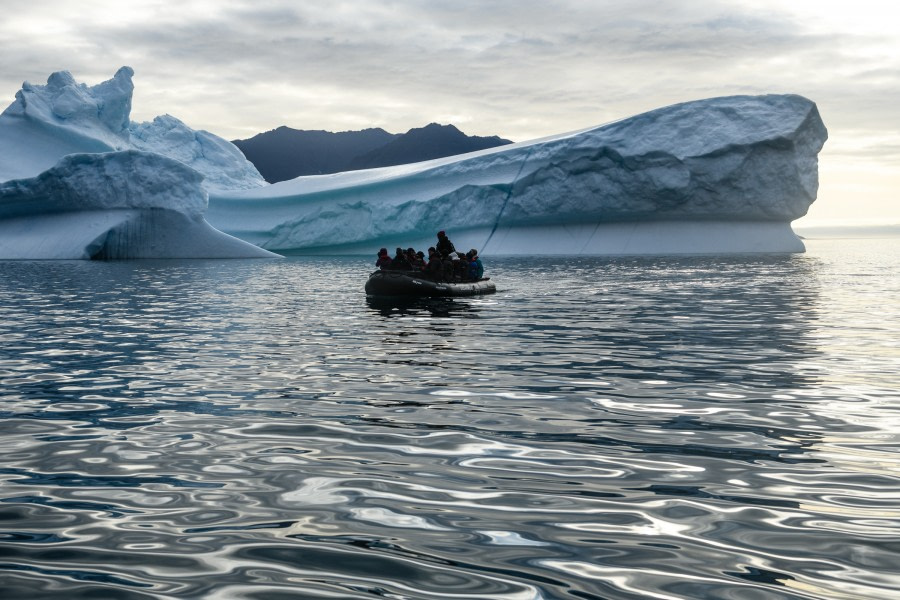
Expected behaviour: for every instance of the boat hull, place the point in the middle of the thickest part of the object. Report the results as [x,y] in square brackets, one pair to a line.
[403,284]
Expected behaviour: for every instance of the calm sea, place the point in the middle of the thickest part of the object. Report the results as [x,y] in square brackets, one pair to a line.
[601,428]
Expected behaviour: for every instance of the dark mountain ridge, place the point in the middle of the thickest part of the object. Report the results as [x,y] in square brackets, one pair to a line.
[425,143]
[285,153]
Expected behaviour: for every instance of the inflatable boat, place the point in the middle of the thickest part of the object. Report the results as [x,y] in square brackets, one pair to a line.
[404,283]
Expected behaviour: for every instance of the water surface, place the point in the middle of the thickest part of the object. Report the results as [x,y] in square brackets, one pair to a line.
[619,428]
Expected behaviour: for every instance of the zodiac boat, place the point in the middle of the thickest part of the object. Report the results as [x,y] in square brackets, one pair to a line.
[405,283]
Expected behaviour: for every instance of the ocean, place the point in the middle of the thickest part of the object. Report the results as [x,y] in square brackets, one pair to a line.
[691,427]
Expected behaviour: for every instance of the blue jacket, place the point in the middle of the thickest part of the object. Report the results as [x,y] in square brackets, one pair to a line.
[476,269]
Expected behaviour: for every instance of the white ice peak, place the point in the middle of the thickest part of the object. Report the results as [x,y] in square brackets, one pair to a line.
[78,179]
[65,117]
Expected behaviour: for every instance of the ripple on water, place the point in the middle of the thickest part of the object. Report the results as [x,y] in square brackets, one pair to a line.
[693,427]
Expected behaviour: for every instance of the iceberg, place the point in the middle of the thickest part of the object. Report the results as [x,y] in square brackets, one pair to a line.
[47,122]
[79,179]
[130,204]
[719,175]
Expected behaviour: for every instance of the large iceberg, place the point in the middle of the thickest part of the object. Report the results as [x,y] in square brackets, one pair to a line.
[79,179]
[719,175]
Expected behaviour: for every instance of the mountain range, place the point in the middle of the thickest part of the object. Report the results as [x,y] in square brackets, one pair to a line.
[285,153]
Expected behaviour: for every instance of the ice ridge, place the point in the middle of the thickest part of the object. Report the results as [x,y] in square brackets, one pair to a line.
[740,167]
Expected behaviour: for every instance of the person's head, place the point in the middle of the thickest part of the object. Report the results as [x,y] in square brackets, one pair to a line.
[420,254]
[473,253]
[382,252]
[399,251]
[411,251]
[442,234]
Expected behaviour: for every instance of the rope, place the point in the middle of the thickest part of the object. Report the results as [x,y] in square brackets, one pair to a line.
[506,200]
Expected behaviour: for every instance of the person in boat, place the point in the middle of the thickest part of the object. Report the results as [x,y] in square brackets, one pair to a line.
[419,262]
[444,245]
[435,267]
[448,271]
[384,261]
[412,259]
[476,269]
[400,262]
[460,267]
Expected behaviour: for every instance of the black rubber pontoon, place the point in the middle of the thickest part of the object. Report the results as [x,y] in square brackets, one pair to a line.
[404,283]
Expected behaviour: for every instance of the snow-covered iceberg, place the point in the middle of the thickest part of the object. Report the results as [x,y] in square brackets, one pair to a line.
[78,179]
[719,175]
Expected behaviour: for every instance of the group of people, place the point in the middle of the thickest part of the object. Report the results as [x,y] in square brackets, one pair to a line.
[444,263]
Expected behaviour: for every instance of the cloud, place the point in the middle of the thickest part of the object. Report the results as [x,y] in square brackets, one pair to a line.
[519,69]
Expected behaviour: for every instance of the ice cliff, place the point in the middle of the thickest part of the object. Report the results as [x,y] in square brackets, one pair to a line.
[112,205]
[78,179]
[719,175]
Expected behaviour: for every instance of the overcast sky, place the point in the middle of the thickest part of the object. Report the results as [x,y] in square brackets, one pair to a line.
[520,69]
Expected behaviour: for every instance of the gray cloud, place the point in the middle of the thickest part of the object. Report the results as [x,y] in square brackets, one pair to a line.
[514,68]
[520,69]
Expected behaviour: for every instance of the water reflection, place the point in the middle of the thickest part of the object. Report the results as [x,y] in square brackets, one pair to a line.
[432,307]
